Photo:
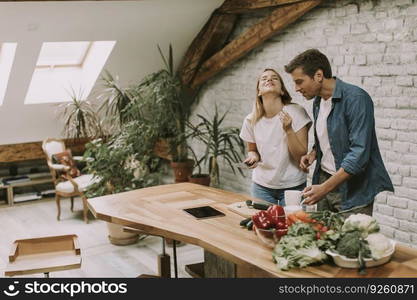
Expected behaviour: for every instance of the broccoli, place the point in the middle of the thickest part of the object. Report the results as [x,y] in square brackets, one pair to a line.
[350,245]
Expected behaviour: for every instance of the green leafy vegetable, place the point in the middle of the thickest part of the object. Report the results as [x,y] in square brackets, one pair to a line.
[299,248]
[352,245]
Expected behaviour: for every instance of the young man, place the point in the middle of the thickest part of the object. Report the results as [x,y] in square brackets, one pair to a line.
[349,171]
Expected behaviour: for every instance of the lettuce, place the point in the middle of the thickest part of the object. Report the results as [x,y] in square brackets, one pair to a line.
[298,248]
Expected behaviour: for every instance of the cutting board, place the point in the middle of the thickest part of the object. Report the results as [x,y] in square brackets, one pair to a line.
[242,209]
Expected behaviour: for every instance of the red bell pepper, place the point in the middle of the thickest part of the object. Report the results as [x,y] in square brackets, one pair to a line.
[281,225]
[262,220]
[277,213]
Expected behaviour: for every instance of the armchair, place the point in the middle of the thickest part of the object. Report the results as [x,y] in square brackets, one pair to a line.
[65,185]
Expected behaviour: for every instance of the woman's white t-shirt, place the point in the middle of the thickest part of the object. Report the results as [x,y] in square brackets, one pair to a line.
[278,170]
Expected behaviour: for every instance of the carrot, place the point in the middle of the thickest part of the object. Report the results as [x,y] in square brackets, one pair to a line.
[303,216]
[292,218]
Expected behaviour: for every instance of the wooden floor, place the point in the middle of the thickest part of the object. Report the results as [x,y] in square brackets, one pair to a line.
[100,258]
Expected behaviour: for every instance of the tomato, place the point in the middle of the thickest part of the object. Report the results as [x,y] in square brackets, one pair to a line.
[318,227]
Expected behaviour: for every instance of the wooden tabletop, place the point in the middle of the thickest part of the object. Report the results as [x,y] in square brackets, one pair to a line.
[158,211]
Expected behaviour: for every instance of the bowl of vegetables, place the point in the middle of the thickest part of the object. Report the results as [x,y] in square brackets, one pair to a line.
[361,245]
[270,225]
[353,263]
[269,237]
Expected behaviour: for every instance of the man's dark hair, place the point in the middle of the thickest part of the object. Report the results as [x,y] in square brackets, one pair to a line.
[310,61]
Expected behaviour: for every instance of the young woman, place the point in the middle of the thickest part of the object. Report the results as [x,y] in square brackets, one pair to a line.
[276,133]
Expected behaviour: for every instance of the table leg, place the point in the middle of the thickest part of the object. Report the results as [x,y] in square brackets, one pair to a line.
[174,249]
[164,263]
[10,195]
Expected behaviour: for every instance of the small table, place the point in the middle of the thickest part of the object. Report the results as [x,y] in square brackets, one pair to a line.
[44,255]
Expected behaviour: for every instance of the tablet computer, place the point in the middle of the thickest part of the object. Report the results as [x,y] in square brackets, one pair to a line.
[204,212]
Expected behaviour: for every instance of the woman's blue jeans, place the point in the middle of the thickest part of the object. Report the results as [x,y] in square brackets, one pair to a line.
[275,196]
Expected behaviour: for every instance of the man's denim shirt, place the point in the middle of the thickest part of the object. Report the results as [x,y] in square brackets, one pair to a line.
[352,137]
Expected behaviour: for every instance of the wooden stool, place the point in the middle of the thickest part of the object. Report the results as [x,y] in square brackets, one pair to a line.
[44,255]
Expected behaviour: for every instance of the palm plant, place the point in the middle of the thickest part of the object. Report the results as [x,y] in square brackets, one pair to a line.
[80,118]
[220,142]
[115,99]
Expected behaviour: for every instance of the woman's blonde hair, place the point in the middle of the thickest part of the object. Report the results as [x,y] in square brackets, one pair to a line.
[258,110]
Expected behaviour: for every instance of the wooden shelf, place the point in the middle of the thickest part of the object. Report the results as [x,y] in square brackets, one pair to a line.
[10,187]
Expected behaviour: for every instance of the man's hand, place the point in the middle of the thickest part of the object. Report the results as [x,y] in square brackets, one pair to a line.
[307,160]
[314,193]
[252,159]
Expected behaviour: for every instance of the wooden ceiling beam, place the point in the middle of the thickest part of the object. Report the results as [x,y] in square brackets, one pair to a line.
[60,0]
[210,39]
[279,18]
[245,6]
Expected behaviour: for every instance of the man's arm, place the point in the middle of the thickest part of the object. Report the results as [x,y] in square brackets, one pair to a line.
[314,193]
[360,116]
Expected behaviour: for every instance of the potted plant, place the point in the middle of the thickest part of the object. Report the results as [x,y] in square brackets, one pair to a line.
[80,118]
[168,104]
[219,142]
[115,100]
[199,177]
[125,162]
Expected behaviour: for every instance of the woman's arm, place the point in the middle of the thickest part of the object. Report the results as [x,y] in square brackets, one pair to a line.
[253,155]
[297,143]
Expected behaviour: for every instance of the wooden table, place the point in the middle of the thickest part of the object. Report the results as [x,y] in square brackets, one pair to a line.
[158,211]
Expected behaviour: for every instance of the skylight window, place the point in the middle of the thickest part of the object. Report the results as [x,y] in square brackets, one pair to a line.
[65,67]
[7,52]
[71,54]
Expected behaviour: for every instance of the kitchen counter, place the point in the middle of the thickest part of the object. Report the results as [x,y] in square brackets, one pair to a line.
[158,211]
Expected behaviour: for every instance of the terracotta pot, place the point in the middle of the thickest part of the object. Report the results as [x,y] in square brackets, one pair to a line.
[203,179]
[119,237]
[182,170]
[161,149]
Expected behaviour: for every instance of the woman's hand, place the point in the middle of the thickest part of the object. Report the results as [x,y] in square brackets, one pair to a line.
[286,120]
[252,159]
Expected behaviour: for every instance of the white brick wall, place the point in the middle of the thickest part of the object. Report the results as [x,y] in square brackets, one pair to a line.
[374,47]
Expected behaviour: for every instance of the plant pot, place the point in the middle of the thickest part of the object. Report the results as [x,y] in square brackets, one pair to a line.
[182,170]
[119,237]
[203,179]
[161,149]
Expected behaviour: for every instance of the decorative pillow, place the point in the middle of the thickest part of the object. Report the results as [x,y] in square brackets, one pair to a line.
[65,158]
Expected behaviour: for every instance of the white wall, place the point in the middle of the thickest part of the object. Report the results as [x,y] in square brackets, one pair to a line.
[372,44]
[137,26]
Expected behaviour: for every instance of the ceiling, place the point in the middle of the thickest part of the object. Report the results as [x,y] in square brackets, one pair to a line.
[137,26]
